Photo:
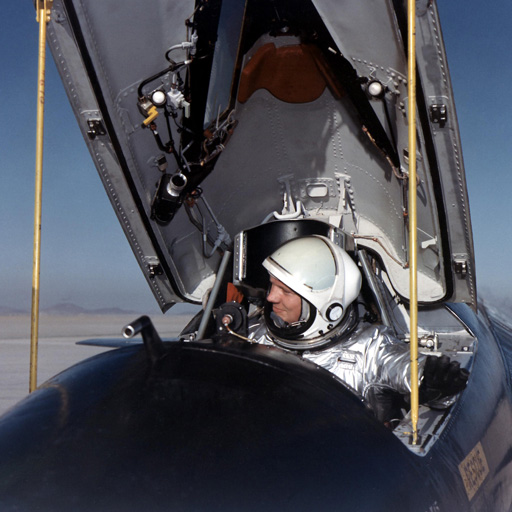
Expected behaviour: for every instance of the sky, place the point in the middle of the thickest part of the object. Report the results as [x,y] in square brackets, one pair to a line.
[85,258]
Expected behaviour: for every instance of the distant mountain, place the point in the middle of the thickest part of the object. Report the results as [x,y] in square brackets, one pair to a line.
[64,309]
[8,311]
[69,309]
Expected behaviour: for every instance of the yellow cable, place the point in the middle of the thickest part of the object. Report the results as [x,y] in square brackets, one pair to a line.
[43,16]
[411,90]
[238,335]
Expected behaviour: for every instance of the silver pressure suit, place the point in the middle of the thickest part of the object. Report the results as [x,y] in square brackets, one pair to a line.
[370,357]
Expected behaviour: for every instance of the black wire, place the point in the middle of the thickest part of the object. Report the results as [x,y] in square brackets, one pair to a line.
[171,68]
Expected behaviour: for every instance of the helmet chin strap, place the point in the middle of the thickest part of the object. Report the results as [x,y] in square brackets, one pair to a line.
[281,329]
[278,320]
[282,324]
[305,311]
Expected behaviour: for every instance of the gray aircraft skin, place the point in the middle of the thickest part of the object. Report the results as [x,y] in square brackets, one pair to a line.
[220,129]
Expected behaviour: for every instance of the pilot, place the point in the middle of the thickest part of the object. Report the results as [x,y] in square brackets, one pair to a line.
[311,308]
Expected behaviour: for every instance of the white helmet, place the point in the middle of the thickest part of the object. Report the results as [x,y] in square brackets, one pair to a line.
[324,276]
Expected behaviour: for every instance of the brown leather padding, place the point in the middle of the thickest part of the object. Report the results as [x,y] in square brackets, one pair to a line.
[294,74]
[233,294]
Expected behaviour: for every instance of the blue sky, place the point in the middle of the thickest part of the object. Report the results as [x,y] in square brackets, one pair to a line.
[85,256]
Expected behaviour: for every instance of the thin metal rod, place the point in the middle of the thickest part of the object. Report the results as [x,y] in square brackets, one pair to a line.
[377,293]
[213,295]
[42,17]
[413,247]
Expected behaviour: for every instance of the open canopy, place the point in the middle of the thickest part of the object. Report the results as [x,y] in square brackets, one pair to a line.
[208,118]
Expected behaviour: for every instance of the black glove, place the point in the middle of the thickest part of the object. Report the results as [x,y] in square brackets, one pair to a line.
[442,378]
[386,404]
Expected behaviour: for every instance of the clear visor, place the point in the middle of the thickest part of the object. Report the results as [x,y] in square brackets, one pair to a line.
[310,262]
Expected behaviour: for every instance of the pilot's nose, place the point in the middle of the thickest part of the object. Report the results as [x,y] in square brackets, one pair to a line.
[273,295]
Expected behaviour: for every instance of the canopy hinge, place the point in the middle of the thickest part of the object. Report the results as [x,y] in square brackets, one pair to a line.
[96,128]
[438,114]
[460,266]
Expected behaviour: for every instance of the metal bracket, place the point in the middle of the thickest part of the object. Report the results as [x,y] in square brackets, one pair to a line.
[460,266]
[240,258]
[96,128]
[429,341]
[290,210]
[44,5]
[438,114]
[155,270]
[154,267]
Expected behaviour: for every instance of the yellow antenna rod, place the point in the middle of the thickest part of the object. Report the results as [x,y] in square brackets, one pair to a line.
[413,249]
[43,17]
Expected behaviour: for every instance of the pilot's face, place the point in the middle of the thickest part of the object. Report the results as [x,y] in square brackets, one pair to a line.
[286,304]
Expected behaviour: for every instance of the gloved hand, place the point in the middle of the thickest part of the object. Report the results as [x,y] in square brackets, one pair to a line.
[386,404]
[441,378]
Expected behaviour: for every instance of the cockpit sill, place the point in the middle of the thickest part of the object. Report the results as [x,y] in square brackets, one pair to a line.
[452,337]
[458,342]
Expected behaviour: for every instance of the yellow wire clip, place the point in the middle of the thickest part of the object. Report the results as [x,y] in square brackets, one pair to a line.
[152,114]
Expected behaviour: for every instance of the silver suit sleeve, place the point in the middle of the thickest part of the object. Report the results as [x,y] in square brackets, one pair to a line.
[372,356]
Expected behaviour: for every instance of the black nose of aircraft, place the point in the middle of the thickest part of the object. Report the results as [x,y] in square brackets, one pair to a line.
[207,427]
